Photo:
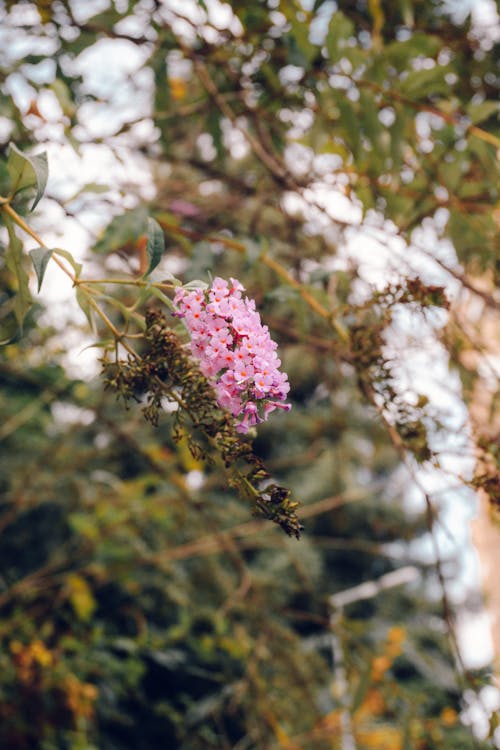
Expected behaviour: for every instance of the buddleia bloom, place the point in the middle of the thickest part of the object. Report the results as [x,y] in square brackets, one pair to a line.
[235,351]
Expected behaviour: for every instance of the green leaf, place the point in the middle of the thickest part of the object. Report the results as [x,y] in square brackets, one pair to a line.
[300,50]
[365,195]
[63,96]
[400,208]
[451,171]
[401,53]
[105,21]
[107,344]
[83,40]
[473,189]
[123,230]
[482,111]
[89,187]
[8,329]
[365,682]
[406,7]
[214,128]
[162,88]
[162,297]
[14,262]
[407,741]
[156,244]
[4,179]
[126,312]
[486,153]
[170,222]
[77,267]
[474,237]
[397,136]
[340,30]
[27,172]
[83,302]
[349,123]
[428,82]
[196,284]
[40,256]
[372,127]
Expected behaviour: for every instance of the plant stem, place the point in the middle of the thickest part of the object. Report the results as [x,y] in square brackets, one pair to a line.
[114,330]
[7,208]
[131,282]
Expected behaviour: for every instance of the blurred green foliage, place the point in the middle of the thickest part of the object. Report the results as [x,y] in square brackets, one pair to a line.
[140,605]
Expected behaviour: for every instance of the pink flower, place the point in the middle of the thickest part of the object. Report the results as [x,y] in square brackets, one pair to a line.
[235,351]
[243,372]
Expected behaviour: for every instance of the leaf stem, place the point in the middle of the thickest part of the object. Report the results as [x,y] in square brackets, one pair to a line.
[114,330]
[16,219]
[7,208]
[131,282]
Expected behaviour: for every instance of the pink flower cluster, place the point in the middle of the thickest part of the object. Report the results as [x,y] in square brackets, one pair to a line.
[234,349]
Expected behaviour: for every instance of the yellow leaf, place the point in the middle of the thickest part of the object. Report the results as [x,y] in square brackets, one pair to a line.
[41,655]
[449,716]
[80,596]
[178,88]
[380,665]
[395,638]
[376,12]
[80,696]
[396,634]
[380,738]
[186,458]
[373,705]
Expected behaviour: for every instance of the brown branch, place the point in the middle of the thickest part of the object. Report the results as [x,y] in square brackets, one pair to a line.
[214,543]
[273,164]
[271,263]
[451,118]
[487,297]
[431,517]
